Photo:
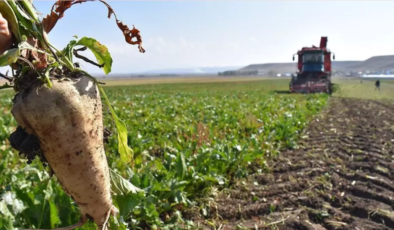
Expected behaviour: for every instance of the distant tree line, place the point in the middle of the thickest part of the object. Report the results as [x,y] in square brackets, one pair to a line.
[238,73]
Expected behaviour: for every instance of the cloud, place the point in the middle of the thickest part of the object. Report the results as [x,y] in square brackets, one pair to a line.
[232,45]
[252,39]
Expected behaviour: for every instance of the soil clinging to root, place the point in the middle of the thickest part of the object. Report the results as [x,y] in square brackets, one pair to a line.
[341,177]
[28,145]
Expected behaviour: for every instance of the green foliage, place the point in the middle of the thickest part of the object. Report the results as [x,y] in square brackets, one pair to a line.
[100,52]
[188,140]
[126,153]
[120,186]
[364,88]
[9,57]
[25,23]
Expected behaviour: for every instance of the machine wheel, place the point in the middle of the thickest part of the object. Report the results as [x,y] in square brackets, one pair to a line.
[330,89]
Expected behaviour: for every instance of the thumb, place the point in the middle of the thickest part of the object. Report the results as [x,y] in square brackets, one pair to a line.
[1,17]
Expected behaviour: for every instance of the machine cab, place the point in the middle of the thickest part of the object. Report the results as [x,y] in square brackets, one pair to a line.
[313,61]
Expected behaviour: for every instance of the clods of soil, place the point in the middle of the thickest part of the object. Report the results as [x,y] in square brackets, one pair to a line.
[341,177]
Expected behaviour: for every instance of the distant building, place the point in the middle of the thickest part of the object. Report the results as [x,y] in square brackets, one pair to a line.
[238,73]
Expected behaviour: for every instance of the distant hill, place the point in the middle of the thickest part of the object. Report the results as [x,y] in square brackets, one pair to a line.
[277,67]
[291,67]
[344,65]
[376,63]
[197,70]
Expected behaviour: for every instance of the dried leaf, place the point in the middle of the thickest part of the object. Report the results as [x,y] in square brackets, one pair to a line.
[41,62]
[130,34]
[61,6]
[50,21]
[32,54]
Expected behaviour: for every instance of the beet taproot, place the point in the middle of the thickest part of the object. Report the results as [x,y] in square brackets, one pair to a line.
[68,122]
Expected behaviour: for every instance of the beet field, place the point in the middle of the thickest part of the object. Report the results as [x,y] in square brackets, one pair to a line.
[225,155]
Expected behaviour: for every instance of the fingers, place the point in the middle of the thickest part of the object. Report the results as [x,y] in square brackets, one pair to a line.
[5,35]
[4,26]
[2,19]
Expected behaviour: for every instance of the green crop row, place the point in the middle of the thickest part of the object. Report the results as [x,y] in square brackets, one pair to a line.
[186,144]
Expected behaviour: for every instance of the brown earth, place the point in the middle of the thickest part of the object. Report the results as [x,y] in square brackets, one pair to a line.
[341,177]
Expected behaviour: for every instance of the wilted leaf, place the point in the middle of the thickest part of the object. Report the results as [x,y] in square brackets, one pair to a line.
[126,153]
[123,148]
[121,186]
[9,57]
[127,203]
[100,52]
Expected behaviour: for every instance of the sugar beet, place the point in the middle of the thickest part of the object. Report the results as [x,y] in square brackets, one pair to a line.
[67,120]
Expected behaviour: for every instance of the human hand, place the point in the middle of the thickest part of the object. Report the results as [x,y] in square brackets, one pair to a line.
[5,35]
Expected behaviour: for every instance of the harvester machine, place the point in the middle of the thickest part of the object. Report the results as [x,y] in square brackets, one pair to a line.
[314,70]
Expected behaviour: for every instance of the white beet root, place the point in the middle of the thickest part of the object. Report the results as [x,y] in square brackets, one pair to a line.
[67,119]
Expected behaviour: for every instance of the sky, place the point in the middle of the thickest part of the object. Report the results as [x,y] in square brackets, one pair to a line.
[188,34]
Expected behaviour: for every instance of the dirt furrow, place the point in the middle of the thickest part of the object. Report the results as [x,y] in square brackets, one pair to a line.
[339,178]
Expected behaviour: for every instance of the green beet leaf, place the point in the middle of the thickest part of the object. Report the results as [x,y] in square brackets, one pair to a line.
[121,186]
[100,52]
[9,57]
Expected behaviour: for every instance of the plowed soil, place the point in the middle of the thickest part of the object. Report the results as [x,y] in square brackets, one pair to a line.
[341,177]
